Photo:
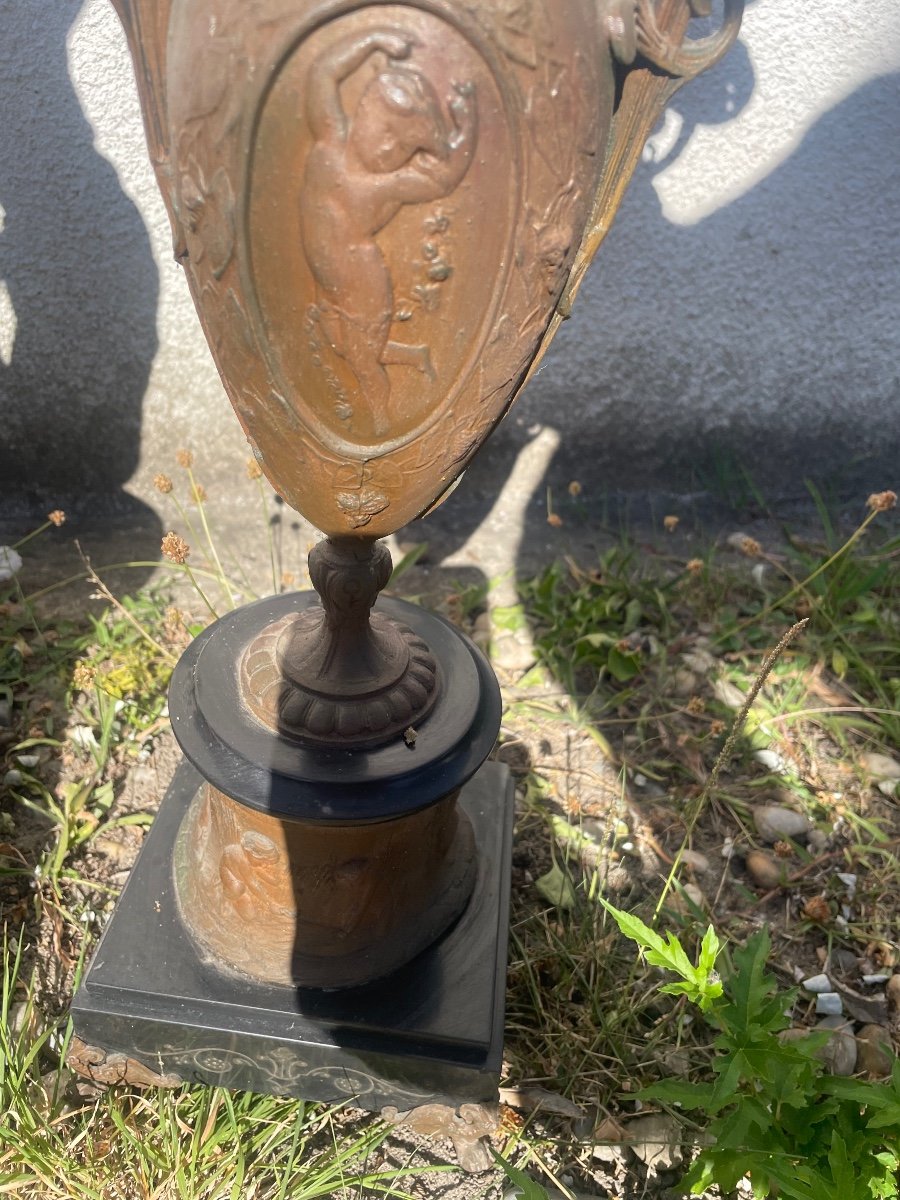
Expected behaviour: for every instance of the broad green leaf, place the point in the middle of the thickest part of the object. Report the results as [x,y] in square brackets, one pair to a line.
[557,887]
[527,1188]
[679,1091]
[709,951]
[623,666]
[845,1178]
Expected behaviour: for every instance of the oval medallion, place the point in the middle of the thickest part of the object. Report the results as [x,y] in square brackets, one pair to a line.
[379,206]
[380,148]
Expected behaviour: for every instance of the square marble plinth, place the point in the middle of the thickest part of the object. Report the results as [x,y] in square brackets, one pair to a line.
[431,1032]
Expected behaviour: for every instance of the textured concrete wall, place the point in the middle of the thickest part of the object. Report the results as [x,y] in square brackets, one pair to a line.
[745,309]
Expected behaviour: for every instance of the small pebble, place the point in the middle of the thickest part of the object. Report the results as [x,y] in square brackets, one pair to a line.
[817,841]
[700,660]
[775,823]
[875,980]
[685,901]
[729,695]
[695,860]
[818,983]
[889,787]
[875,1056]
[772,760]
[12,778]
[10,563]
[839,1053]
[880,766]
[684,682]
[763,869]
[843,961]
[829,1004]
[849,882]
[511,654]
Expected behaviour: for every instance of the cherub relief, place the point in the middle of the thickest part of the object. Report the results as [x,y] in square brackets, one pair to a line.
[394,149]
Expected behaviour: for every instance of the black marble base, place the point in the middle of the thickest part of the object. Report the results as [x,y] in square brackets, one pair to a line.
[430,1033]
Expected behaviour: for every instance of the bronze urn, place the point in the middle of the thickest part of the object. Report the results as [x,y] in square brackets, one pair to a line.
[384,211]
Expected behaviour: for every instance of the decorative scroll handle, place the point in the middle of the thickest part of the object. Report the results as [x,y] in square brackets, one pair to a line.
[689,58]
[643,34]
[634,29]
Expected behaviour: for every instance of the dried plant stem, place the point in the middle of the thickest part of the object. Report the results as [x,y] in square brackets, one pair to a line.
[223,579]
[803,584]
[119,607]
[185,516]
[23,600]
[199,590]
[61,583]
[725,753]
[28,536]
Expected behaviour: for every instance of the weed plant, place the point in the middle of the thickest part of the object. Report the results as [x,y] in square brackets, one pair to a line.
[586,1018]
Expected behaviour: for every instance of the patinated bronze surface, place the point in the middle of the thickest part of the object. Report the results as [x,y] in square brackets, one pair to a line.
[320,905]
[334,675]
[383,209]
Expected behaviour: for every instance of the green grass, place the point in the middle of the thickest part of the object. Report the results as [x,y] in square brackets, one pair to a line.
[189,1143]
[643,661]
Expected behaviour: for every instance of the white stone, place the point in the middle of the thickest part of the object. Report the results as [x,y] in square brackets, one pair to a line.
[880,766]
[818,983]
[695,860]
[773,761]
[775,823]
[10,563]
[729,695]
[829,1004]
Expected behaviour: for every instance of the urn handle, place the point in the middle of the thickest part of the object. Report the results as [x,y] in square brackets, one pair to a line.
[634,29]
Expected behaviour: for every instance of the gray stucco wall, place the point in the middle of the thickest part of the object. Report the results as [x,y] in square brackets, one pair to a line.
[744,311]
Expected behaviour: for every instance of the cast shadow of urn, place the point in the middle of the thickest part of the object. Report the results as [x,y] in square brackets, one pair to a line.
[80,289]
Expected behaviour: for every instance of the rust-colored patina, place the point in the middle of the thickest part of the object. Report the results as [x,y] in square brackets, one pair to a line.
[384,209]
[337,675]
[319,905]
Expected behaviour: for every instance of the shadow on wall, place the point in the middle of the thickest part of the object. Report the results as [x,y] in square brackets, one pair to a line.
[770,360]
[575,380]
[77,267]
[758,337]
